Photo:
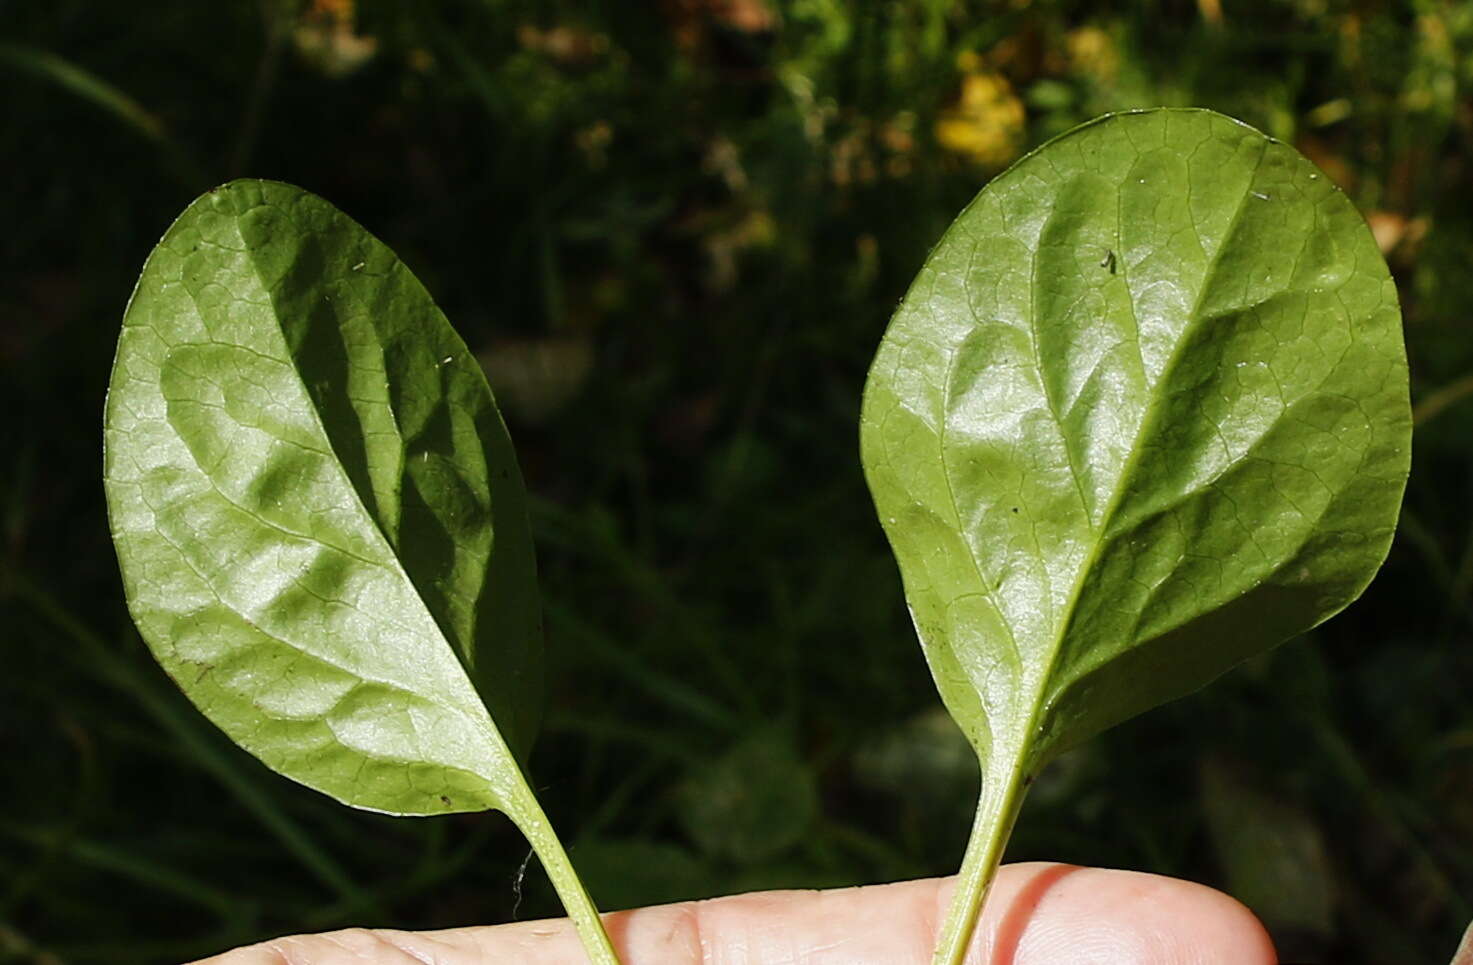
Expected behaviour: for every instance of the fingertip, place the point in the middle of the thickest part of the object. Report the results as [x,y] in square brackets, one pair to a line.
[1048,913]
[1232,928]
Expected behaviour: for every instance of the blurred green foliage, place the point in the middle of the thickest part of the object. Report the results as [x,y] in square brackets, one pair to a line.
[675,232]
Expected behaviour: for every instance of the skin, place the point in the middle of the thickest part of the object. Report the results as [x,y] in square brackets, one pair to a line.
[1037,914]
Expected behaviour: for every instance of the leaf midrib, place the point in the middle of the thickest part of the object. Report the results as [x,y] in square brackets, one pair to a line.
[481,720]
[1029,755]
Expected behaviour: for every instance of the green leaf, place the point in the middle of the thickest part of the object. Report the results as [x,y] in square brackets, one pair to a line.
[1142,415]
[302,465]
[752,803]
[318,513]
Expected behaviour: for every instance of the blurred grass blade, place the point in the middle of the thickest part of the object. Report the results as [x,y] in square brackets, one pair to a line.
[185,731]
[557,527]
[86,85]
[667,690]
[15,946]
[1437,402]
[140,870]
[111,99]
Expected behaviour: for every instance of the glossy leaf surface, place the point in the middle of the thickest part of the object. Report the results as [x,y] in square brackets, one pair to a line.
[317,509]
[1143,414]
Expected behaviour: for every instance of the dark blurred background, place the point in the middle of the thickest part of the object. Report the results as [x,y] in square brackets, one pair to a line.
[675,231]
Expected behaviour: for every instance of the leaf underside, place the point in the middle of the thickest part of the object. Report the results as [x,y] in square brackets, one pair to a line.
[317,510]
[1143,414]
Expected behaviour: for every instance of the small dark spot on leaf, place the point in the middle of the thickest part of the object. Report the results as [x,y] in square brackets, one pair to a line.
[444,800]
[1015,509]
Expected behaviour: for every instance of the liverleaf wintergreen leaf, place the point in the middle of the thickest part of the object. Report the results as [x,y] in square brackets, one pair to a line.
[319,516]
[1142,414]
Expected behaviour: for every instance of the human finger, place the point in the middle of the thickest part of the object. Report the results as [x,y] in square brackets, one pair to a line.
[1037,914]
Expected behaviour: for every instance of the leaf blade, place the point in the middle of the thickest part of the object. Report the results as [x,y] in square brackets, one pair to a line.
[259,562]
[1143,414]
[1037,404]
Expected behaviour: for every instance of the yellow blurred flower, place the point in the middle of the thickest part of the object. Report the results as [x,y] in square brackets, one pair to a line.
[325,36]
[1092,53]
[986,124]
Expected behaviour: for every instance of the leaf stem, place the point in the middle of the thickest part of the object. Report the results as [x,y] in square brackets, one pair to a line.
[528,816]
[997,810]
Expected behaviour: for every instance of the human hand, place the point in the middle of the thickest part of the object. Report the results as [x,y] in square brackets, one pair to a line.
[1036,914]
